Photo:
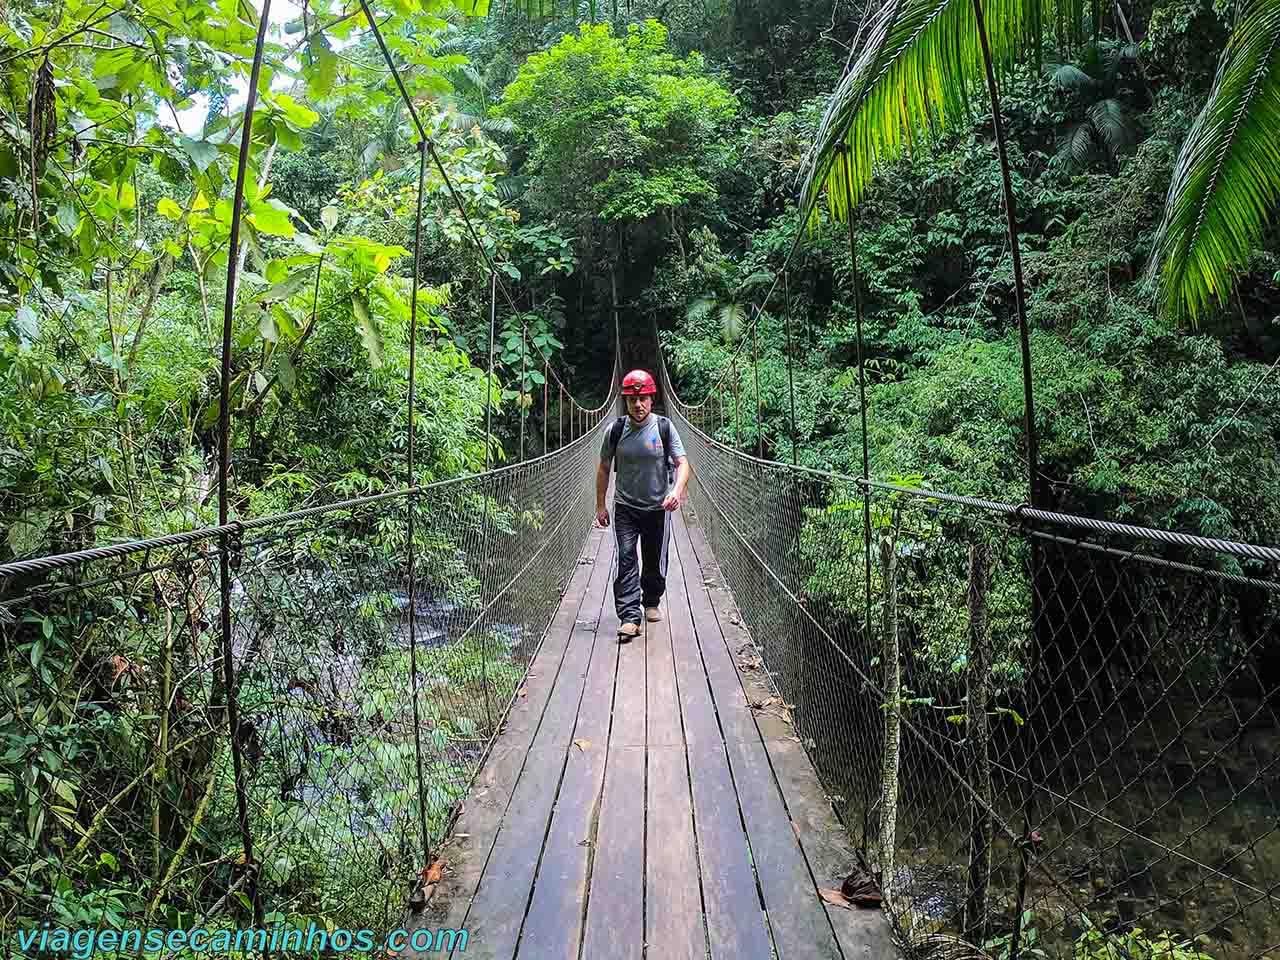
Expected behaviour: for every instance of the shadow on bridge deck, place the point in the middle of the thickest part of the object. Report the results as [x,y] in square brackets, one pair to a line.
[635,798]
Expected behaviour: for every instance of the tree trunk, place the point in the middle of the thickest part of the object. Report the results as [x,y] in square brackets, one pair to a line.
[892,720]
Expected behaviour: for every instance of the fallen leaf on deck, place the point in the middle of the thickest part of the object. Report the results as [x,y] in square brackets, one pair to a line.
[795,828]
[794,739]
[523,692]
[833,897]
[433,873]
[582,743]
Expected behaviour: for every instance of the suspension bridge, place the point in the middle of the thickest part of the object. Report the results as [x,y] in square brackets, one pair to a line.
[873,718]
[441,732]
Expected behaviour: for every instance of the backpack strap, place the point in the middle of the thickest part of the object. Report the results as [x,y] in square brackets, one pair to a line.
[664,430]
[615,435]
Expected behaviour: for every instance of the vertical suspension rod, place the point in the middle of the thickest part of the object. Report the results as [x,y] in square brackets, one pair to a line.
[755,366]
[224,461]
[791,383]
[413,497]
[845,154]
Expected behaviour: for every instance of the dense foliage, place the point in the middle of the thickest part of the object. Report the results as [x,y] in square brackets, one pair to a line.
[651,161]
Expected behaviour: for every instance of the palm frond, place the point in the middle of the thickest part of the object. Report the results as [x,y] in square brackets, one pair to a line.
[913,77]
[1067,76]
[756,279]
[1226,181]
[1117,55]
[699,309]
[510,189]
[461,121]
[1115,125]
[731,317]
[1078,149]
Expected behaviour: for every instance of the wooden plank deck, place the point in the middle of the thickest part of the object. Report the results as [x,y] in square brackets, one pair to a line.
[634,801]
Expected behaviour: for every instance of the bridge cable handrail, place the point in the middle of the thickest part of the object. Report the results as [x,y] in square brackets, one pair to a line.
[59,561]
[1264,553]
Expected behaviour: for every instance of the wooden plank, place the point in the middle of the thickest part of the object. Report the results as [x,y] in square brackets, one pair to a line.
[673,896]
[467,850]
[696,706]
[596,711]
[629,699]
[797,917]
[736,722]
[553,926]
[800,926]
[497,910]
[526,712]
[615,918]
[862,934]
[561,715]
[663,704]
[736,923]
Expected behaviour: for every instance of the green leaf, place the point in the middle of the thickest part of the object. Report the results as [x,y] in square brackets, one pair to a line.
[28,323]
[168,209]
[914,77]
[369,335]
[1226,181]
[68,217]
[287,288]
[298,115]
[277,270]
[202,152]
[28,531]
[64,790]
[286,373]
[267,327]
[272,218]
[46,627]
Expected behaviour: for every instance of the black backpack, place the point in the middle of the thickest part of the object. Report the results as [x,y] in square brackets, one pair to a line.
[664,431]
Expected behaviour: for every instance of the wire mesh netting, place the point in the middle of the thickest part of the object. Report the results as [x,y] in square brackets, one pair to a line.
[364,707]
[1048,736]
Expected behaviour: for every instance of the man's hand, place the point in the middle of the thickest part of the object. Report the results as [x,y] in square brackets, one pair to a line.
[602,517]
[671,503]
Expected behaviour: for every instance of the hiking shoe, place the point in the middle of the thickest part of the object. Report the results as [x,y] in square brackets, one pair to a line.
[627,631]
[652,614]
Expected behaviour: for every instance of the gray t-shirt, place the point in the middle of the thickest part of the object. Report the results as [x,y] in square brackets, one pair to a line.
[642,481]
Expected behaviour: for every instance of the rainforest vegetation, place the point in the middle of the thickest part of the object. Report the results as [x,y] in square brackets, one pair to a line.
[677,163]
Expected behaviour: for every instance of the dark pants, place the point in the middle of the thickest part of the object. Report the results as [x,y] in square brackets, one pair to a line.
[633,588]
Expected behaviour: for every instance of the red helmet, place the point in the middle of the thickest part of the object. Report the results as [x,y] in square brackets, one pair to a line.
[638,383]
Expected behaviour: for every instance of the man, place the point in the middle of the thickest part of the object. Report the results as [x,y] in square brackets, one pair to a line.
[643,446]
